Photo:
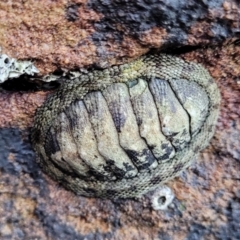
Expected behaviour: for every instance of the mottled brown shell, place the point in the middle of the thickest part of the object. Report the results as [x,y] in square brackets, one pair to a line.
[123,131]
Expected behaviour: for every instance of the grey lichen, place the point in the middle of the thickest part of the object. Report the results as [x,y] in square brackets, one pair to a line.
[12,68]
[65,74]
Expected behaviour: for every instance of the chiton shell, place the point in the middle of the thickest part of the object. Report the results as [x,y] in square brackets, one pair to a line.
[122,131]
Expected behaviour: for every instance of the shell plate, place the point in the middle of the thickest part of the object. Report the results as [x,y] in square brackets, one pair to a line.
[125,130]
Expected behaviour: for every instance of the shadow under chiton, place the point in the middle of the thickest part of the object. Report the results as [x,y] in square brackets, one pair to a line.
[123,131]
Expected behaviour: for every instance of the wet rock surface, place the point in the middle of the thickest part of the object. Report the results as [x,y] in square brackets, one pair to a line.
[100,33]
[207,195]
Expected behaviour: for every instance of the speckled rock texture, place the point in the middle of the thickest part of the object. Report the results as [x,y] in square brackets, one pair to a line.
[79,33]
[32,206]
[207,204]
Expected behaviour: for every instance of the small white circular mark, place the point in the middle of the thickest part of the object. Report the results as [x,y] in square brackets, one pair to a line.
[162,198]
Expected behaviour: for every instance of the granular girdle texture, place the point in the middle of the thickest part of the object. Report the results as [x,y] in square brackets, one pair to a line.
[123,131]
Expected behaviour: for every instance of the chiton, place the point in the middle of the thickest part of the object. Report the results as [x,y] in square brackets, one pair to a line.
[123,131]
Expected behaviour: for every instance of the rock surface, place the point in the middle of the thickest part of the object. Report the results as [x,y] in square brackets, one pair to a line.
[32,206]
[79,33]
